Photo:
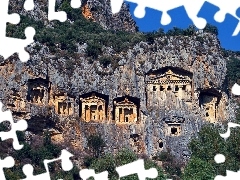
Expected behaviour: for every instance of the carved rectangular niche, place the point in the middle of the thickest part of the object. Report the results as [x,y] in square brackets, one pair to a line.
[174,129]
[93,107]
[208,101]
[126,111]
[168,82]
[174,126]
[38,91]
[64,104]
[16,102]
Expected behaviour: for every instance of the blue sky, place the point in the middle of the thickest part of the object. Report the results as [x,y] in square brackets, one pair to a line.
[151,22]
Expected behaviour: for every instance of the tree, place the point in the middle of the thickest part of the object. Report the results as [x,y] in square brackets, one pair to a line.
[233,71]
[208,144]
[198,169]
[109,163]
[170,164]
[211,29]
[96,143]
[105,60]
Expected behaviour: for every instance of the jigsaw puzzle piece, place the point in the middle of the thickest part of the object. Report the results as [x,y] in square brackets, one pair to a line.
[230,175]
[29,5]
[225,7]
[178,14]
[236,89]
[8,162]
[76,3]
[53,15]
[5,17]
[225,28]
[152,17]
[137,167]
[66,164]
[21,125]
[230,125]
[9,46]
[87,173]
[192,9]
[140,12]
[60,15]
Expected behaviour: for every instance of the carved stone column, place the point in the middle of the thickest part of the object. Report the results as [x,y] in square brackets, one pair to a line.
[117,114]
[180,92]
[135,113]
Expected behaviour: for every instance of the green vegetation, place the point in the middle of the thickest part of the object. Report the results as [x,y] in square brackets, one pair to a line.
[206,146]
[233,71]
[109,163]
[65,36]
[170,164]
[34,154]
[211,29]
[96,144]
[198,169]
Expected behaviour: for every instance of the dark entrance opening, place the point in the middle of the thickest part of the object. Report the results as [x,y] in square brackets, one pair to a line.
[174,130]
[160,144]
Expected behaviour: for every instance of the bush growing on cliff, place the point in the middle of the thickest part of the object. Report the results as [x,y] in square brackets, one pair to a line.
[204,148]
[34,154]
[105,60]
[96,144]
[125,156]
[233,71]
[198,169]
[211,29]
[170,164]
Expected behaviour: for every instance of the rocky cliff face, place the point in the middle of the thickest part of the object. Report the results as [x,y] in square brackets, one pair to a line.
[153,97]
[100,11]
[97,10]
[157,97]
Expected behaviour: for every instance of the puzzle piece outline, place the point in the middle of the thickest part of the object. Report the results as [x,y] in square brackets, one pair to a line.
[9,45]
[20,125]
[191,8]
[220,158]
[66,165]
[7,162]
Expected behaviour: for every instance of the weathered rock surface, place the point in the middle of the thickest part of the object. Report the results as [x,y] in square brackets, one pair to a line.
[177,80]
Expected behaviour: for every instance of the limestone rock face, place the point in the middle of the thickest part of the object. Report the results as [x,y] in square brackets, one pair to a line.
[102,14]
[158,97]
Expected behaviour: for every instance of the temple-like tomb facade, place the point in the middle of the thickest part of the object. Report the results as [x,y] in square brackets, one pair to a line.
[38,91]
[64,104]
[93,107]
[208,101]
[168,83]
[126,109]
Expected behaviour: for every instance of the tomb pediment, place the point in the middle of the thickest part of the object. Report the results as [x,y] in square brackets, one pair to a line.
[93,99]
[169,83]
[168,76]
[174,119]
[125,102]
[64,104]
[93,106]
[126,109]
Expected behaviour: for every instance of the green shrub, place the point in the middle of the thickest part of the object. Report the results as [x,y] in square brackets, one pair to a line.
[105,60]
[96,144]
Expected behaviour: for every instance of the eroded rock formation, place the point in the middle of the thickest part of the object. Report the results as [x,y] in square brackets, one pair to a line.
[158,97]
